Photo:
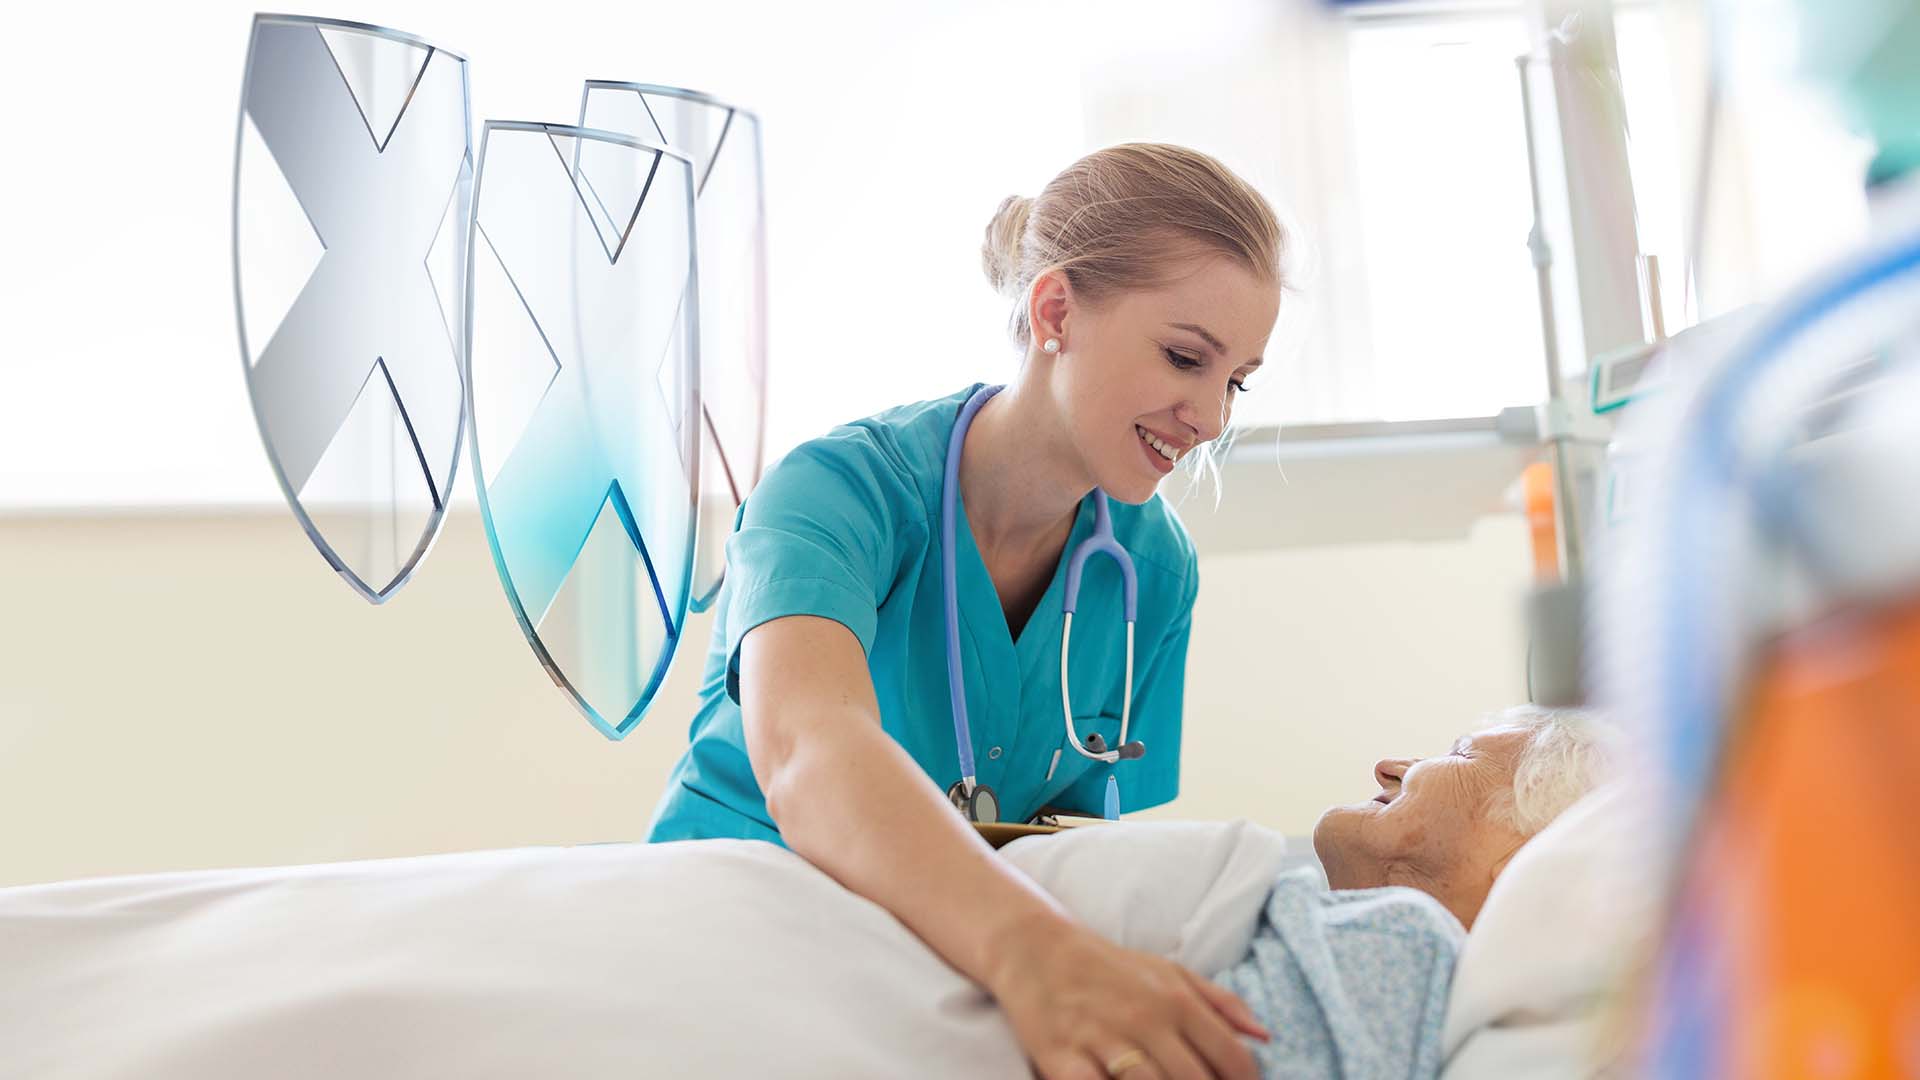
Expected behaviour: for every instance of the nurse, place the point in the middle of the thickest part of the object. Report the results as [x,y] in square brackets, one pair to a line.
[1145,280]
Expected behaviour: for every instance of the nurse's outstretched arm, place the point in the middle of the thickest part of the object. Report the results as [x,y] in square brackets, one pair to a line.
[852,802]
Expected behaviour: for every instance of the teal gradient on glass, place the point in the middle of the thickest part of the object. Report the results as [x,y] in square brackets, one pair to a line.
[723,142]
[583,365]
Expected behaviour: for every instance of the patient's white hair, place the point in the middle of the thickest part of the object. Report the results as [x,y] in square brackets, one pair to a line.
[1571,752]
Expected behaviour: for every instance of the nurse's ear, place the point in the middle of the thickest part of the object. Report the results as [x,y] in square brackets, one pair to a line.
[1048,303]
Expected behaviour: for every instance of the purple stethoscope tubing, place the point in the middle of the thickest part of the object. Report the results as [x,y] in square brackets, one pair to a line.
[949,583]
[1102,542]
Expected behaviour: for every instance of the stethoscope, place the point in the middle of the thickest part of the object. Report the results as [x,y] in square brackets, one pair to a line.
[976,800]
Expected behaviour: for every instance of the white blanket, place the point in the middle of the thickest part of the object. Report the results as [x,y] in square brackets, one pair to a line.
[717,959]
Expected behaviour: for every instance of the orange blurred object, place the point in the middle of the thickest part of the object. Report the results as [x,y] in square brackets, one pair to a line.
[1809,863]
[1536,486]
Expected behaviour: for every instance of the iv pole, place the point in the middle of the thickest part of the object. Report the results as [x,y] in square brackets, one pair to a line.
[1557,426]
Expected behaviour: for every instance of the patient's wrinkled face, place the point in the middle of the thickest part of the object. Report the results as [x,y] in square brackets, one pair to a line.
[1429,825]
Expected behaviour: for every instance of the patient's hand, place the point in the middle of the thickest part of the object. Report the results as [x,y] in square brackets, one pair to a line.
[1078,1002]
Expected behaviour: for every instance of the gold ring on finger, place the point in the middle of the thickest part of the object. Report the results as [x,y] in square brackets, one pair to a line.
[1120,1063]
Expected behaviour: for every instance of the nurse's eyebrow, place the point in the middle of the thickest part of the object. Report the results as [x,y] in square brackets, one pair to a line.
[1218,345]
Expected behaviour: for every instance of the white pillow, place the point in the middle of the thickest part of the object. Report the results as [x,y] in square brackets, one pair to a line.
[1549,950]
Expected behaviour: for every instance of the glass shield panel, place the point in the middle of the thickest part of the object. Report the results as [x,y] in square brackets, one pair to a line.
[724,145]
[352,182]
[584,368]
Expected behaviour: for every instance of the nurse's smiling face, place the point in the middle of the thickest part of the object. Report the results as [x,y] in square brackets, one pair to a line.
[1146,376]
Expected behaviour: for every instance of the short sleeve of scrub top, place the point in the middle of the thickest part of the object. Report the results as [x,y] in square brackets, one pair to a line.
[845,528]
[816,539]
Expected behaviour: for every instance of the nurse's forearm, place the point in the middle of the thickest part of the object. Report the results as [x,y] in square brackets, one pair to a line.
[900,844]
[854,803]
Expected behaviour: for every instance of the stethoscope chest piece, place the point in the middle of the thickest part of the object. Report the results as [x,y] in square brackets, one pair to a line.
[982,806]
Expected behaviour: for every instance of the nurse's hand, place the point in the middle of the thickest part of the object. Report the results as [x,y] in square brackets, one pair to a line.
[1077,1002]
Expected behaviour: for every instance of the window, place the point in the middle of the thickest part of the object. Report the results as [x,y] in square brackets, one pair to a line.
[1786,178]
[1440,163]
[1391,135]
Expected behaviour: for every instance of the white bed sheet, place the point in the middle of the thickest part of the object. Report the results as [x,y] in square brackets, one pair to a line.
[725,958]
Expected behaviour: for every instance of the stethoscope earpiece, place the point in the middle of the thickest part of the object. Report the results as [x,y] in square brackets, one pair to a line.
[1126,752]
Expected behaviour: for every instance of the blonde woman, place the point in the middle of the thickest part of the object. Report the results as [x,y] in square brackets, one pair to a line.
[890,644]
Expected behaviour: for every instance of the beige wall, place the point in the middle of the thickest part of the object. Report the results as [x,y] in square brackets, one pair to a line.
[186,690]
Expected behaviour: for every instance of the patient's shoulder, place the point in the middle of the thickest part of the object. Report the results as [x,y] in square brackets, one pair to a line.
[1393,909]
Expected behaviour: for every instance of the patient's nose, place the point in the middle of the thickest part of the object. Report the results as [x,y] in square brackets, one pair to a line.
[1390,771]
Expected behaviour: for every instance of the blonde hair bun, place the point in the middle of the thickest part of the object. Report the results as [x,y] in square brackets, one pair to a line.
[1000,252]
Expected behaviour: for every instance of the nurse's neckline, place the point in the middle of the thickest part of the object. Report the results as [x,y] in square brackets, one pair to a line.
[1018,601]
[1024,511]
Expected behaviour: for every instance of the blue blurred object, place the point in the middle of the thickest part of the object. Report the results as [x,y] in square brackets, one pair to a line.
[1727,498]
[1710,476]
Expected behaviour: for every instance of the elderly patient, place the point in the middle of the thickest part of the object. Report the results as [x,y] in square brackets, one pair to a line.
[1353,981]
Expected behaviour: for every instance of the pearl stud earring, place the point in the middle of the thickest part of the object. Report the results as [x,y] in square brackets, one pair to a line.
[1051,345]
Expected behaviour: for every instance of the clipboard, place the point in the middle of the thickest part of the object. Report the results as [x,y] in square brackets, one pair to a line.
[999,834]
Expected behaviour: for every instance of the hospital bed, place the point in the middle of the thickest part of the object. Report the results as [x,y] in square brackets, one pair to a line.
[722,958]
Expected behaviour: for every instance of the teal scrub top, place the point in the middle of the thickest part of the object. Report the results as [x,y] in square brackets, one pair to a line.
[847,527]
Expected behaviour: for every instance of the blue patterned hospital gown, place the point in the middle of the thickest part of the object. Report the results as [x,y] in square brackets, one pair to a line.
[1351,984]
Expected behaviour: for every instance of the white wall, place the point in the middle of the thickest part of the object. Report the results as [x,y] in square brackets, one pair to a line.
[184,690]
[184,684]
[892,131]
[889,140]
